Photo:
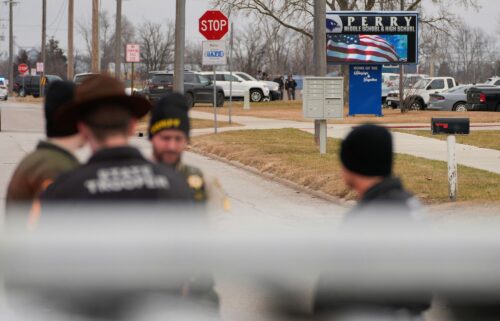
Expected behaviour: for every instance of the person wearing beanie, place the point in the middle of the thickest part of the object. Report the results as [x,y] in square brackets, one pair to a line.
[52,157]
[366,155]
[169,130]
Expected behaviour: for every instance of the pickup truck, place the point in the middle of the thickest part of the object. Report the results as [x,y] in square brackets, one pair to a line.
[418,96]
[483,99]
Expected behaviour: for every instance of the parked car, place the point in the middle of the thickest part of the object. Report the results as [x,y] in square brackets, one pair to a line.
[30,85]
[418,96]
[495,81]
[483,99]
[79,78]
[197,88]
[4,92]
[454,99]
[242,83]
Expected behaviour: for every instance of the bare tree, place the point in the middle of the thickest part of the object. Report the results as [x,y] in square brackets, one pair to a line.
[157,45]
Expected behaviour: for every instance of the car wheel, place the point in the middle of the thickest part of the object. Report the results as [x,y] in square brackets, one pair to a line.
[220,99]
[190,100]
[22,92]
[416,105]
[460,107]
[256,95]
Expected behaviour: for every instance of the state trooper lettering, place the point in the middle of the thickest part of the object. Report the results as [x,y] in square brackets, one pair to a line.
[117,179]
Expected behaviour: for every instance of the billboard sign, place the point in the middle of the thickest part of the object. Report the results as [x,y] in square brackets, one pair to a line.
[372,37]
[365,90]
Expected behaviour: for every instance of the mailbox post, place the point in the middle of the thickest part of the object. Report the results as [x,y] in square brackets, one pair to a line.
[323,99]
[451,127]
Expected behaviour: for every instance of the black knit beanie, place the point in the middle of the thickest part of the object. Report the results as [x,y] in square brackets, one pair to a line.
[367,151]
[171,112]
[58,94]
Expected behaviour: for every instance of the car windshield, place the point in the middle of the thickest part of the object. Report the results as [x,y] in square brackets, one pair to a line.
[422,84]
[162,79]
[80,79]
[246,76]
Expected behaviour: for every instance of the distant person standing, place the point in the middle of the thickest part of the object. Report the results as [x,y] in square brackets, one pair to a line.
[281,82]
[52,156]
[259,75]
[290,86]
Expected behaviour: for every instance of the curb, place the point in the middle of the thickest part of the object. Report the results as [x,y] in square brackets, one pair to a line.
[274,178]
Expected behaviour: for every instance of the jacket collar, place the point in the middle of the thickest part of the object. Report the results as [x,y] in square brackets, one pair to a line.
[51,146]
[387,185]
[116,153]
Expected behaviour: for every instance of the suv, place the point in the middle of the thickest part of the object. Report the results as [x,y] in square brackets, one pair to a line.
[197,87]
[242,83]
[30,85]
[418,96]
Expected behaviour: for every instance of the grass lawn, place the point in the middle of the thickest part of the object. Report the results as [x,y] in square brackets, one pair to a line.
[291,154]
[293,111]
[479,138]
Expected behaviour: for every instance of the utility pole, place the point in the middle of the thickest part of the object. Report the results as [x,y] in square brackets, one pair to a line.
[44,45]
[401,75]
[71,54]
[11,45]
[319,59]
[118,40]
[95,36]
[180,37]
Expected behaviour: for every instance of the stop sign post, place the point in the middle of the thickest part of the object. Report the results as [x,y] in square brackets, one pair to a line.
[214,25]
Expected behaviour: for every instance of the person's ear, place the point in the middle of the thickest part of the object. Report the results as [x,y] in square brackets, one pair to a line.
[132,127]
[83,130]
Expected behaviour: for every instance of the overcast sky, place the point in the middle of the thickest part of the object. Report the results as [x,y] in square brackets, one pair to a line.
[27,13]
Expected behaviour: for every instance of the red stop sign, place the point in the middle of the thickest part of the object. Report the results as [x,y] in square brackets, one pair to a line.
[214,25]
[22,68]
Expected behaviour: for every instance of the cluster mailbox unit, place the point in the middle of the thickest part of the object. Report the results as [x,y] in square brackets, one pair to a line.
[323,98]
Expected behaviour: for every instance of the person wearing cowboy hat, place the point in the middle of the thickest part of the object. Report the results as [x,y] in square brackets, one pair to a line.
[52,156]
[169,132]
[106,117]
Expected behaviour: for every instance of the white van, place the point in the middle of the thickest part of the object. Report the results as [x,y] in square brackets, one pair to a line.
[242,83]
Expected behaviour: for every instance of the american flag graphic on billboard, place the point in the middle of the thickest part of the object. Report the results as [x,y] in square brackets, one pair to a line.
[360,48]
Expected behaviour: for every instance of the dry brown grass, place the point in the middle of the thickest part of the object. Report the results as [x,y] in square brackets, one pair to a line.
[291,154]
[286,110]
[479,138]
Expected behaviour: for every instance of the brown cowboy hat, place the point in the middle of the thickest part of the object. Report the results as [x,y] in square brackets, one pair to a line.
[96,91]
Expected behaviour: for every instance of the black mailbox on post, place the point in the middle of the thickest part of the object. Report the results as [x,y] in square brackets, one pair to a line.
[450,126]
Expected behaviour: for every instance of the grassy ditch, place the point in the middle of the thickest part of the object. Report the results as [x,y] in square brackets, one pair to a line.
[291,154]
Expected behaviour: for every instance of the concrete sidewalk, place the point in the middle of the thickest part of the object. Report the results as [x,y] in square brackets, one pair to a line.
[480,158]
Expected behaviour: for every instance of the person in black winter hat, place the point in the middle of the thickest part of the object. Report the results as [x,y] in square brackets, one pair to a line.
[367,159]
[52,157]
[169,130]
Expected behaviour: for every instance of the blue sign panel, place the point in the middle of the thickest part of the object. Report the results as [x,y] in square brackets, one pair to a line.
[365,90]
[215,54]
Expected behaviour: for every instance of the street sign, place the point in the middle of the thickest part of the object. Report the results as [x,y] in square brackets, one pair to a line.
[214,53]
[40,67]
[33,71]
[213,25]
[22,68]
[133,53]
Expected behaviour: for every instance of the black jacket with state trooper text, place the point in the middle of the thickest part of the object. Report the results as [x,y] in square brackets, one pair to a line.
[120,173]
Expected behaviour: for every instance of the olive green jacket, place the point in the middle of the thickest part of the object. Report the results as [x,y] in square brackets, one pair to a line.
[37,170]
